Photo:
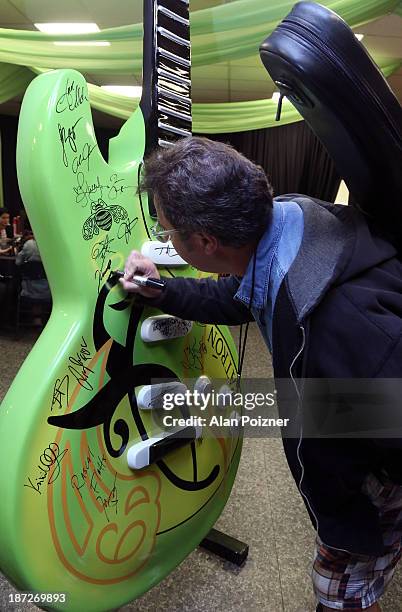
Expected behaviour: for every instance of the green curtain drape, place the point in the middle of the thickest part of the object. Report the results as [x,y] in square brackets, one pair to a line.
[219,118]
[222,33]
[13,81]
[226,32]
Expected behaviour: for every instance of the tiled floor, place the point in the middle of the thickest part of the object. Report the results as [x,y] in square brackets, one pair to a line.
[264,510]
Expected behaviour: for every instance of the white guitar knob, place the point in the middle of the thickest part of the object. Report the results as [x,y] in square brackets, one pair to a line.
[162,253]
[164,327]
[203,385]
[150,397]
[149,451]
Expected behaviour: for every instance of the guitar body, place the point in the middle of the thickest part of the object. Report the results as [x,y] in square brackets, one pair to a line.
[75,518]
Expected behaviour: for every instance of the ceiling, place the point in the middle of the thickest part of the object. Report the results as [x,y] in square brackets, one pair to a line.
[239,80]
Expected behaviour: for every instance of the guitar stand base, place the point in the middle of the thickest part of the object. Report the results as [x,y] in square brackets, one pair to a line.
[226,547]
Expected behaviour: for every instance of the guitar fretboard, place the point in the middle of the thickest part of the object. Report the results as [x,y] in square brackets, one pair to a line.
[173,70]
[166,97]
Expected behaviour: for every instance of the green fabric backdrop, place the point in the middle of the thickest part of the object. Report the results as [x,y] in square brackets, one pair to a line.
[226,32]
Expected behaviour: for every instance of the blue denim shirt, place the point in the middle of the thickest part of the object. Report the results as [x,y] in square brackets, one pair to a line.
[275,254]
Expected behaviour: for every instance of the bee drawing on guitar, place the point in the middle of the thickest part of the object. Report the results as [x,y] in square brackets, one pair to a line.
[102,217]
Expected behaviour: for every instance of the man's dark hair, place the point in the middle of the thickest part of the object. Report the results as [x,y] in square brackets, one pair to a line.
[207,186]
[4,211]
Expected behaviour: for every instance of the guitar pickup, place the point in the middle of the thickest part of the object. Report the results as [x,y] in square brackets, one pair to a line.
[162,253]
[149,451]
[164,327]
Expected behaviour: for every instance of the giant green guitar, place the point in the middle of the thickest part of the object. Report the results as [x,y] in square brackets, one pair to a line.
[77,517]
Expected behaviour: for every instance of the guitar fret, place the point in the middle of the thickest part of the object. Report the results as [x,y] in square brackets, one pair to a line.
[183,91]
[175,58]
[174,98]
[172,68]
[173,129]
[181,107]
[174,77]
[170,121]
[178,122]
[184,109]
[176,127]
[174,16]
[165,143]
[174,113]
[173,95]
[175,7]
[173,37]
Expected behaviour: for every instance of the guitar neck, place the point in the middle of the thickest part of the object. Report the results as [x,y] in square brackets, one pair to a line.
[166,89]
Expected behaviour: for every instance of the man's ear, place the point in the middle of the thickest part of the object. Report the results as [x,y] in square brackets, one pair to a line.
[209,244]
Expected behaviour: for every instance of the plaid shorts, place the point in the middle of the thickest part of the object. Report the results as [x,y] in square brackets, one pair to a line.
[355,582]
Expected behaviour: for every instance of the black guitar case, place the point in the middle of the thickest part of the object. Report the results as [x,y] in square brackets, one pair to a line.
[317,62]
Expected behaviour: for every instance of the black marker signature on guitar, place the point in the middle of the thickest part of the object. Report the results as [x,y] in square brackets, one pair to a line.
[100,251]
[116,187]
[83,190]
[49,466]
[86,193]
[102,272]
[78,369]
[168,250]
[68,137]
[89,474]
[111,500]
[83,157]
[193,355]
[72,97]
[125,229]
[60,393]
[102,248]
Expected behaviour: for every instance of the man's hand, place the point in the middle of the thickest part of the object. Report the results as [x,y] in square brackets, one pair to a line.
[137,264]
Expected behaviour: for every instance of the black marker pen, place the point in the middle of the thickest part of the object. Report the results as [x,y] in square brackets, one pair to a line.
[143,281]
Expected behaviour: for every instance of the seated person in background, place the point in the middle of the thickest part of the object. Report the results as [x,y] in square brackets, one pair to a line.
[4,250]
[4,223]
[36,289]
[4,231]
